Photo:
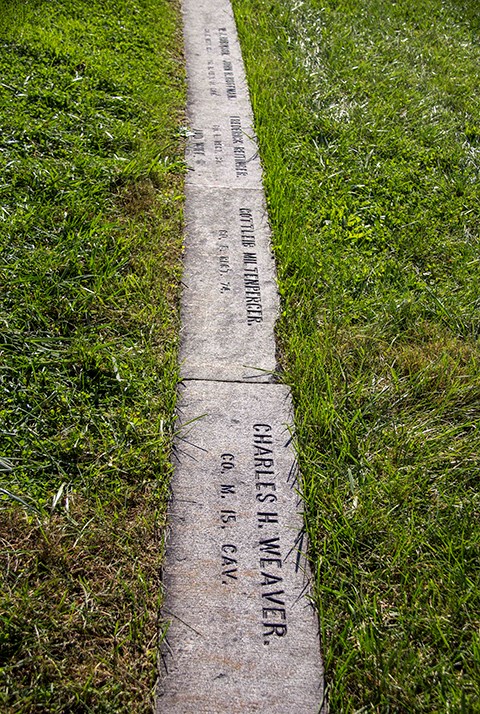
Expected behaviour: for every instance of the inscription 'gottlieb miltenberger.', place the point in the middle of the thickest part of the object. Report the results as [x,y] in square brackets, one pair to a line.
[253,296]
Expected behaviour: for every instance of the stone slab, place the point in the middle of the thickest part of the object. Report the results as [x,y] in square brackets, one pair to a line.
[214,61]
[221,149]
[230,300]
[243,636]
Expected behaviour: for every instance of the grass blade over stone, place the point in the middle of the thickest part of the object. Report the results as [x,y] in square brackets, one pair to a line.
[367,117]
[91,155]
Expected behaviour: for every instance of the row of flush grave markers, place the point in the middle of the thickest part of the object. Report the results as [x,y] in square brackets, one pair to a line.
[242,634]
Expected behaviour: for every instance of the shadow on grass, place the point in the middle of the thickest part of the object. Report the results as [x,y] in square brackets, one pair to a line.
[467,11]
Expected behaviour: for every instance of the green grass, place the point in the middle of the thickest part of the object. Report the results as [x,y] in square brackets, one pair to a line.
[91,98]
[367,113]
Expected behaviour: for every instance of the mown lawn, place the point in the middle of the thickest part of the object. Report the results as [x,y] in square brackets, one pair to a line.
[91,156]
[367,113]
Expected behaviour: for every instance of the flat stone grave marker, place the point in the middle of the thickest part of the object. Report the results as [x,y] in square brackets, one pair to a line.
[214,60]
[243,637]
[242,634]
[230,300]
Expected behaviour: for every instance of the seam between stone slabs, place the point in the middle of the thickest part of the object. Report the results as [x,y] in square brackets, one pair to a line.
[213,186]
[233,381]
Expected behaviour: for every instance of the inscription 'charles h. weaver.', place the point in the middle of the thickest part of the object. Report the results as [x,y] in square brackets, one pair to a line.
[270,558]
[274,612]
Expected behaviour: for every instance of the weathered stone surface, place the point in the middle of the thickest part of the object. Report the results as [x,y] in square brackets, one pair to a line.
[214,60]
[222,151]
[230,300]
[243,636]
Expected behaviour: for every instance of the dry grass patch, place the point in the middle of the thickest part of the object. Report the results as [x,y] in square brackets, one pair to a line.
[80,601]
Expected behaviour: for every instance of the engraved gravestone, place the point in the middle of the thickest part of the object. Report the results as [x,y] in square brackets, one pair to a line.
[221,150]
[214,61]
[230,299]
[242,634]
[243,637]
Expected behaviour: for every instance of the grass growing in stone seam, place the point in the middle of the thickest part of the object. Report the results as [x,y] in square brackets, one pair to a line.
[91,101]
[367,112]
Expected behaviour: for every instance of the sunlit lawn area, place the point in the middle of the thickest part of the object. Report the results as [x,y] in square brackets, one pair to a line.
[367,113]
[91,103]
